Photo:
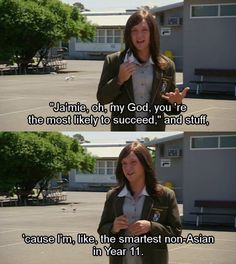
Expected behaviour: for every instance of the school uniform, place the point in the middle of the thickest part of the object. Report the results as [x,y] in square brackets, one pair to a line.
[161,211]
[109,91]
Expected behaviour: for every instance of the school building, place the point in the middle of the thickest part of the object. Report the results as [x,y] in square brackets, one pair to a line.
[109,36]
[170,23]
[198,166]
[196,34]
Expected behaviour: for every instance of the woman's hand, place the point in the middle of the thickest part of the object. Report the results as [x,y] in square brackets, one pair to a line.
[121,222]
[176,96]
[140,227]
[125,71]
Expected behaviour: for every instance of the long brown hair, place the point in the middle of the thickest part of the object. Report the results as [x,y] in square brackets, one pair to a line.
[145,159]
[134,20]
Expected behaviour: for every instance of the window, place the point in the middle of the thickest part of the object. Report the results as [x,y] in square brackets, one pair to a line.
[228,141]
[100,167]
[214,10]
[109,36]
[204,142]
[228,10]
[101,36]
[105,167]
[117,34]
[204,11]
[113,36]
[110,167]
[213,142]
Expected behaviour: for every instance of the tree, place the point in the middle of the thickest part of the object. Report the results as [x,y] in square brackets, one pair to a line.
[30,158]
[146,7]
[29,26]
[80,138]
[80,6]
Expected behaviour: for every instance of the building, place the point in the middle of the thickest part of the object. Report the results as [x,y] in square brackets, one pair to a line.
[209,39]
[208,172]
[201,166]
[110,31]
[170,22]
[169,162]
[197,166]
[200,34]
[108,39]
[194,33]
[103,177]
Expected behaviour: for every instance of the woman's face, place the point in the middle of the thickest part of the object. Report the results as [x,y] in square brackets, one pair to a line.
[133,169]
[140,36]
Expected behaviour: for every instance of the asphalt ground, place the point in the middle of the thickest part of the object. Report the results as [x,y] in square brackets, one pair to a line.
[80,215]
[27,96]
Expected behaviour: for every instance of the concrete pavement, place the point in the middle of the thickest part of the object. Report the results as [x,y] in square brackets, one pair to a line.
[30,95]
[80,215]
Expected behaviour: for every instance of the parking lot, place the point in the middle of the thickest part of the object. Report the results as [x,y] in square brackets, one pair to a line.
[33,95]
[80,215]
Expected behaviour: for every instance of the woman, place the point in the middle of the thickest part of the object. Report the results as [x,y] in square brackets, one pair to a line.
[140,75]
[141,209]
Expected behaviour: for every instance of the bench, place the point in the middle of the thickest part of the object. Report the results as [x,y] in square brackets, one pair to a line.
[54,63]
[9,69]
[203,73]
[214,204]
[8,201]
[54,196]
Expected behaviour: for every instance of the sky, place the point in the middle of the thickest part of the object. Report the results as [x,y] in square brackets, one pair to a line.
[119,137]
[108,5]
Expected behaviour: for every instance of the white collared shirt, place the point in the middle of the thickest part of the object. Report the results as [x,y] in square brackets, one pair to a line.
[132,208]
[126,192]
[129,56]
[142,84]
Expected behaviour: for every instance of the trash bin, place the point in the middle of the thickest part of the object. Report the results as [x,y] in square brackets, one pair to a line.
[169,54]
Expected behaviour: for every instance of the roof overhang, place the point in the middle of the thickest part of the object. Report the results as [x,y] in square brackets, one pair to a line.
[156,9]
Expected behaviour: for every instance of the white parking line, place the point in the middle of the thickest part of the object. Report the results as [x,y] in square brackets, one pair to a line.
[179,262]
[37,108]
[181,247]
[212,249]
[22,111]
[210,108]
[8,231]
[13,244]
[12,99]
[201,111]
[227,240]
[45,231]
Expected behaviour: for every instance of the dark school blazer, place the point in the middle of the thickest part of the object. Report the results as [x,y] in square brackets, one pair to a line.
[111,92]
[163,213]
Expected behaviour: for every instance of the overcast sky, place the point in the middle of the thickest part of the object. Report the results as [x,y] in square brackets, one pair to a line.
[119,137]
[107,5]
